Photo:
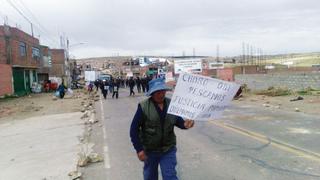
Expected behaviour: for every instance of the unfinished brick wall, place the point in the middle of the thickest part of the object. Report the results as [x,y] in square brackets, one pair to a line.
[3,59]
[57,56]
[5,79]
[58,63]
[294,81]
[225,74]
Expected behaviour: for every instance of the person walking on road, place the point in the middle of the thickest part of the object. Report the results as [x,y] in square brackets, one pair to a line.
[97,84]
[138,82]
[152,133]
[116,85]
[104,88]
[131,86]
[143,84]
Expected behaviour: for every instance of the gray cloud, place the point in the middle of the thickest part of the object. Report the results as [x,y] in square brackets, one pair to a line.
[169,27]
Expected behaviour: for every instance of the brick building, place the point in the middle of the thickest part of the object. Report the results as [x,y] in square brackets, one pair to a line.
[45,64]
[58,63]
[5,79]
[59,68]
[21,52]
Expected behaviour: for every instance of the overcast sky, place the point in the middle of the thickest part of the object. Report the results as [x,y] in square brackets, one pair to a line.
[168,27]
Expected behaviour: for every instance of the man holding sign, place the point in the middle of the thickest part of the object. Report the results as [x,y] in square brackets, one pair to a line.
[152,133]
[201,98]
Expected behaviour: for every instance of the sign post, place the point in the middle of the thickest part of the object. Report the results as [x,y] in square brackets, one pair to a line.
[201,98]
[188,65]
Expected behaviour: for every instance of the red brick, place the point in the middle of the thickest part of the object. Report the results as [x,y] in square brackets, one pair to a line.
[17,36]
[5,79]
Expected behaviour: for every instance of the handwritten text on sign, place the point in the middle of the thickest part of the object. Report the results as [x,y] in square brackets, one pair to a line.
[201,98]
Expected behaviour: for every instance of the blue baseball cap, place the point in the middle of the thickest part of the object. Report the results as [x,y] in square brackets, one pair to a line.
[157,85]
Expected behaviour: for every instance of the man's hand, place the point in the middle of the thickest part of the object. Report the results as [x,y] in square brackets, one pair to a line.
[142,156]
[188,123]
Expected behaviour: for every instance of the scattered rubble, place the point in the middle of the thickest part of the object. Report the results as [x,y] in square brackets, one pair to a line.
[297,98]
[86,156]
[94,158]
[75,175]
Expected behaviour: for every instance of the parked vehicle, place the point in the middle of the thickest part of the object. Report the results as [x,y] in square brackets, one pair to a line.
[106,77]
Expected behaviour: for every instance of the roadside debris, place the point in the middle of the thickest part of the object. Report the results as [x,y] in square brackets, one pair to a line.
[86,156]
[238,95]
[297,98]
[94,158]
[75,175]
[91,158]
[266,105]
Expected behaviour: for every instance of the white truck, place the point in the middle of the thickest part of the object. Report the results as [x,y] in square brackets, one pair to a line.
[91,75]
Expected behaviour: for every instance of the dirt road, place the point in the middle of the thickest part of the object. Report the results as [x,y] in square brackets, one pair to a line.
[38,105]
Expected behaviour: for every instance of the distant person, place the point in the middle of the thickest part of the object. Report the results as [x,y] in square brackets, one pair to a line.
[116,85]
[143,84]
[97,84]
[122,83]
[110,85]
[152,133]
[90,87]
[62,90]
[127,82]
[104,88]
[131,86]
[138,82]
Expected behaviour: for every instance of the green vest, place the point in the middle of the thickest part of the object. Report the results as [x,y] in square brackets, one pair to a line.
[155,135]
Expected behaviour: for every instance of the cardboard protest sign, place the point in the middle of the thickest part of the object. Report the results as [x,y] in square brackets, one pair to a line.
[201,98]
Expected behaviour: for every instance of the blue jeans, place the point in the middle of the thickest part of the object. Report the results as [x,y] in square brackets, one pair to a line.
[167,161]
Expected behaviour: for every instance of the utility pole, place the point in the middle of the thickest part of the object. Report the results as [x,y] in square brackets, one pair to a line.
[243,53]
[67,49]
[218,53]
[31,29]
[248,54]
[6,20]
[61,42]
[251,54]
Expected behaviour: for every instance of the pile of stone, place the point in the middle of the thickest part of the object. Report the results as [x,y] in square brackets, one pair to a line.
[86,154]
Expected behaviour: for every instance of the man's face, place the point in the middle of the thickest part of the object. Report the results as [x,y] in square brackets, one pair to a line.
[158,96]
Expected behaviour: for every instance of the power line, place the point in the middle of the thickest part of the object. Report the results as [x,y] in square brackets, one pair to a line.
[19,11]
[31,23]
[41,27]
[34,17]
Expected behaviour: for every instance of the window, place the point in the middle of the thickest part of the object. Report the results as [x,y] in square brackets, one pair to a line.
[23,49]
[35,53]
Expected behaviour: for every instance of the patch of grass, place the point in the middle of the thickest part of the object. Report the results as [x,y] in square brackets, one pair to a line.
[309,91]
[274,91]
[278,91]
[7,97]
